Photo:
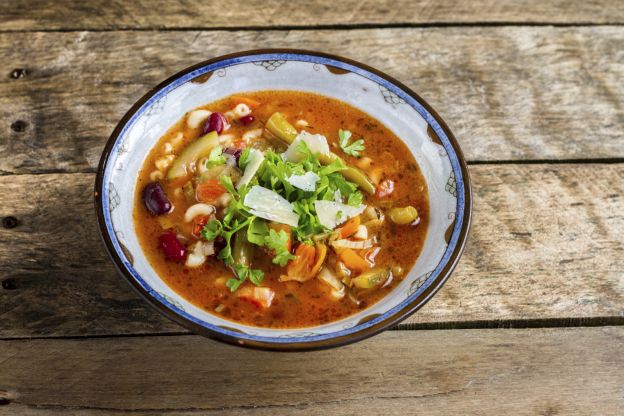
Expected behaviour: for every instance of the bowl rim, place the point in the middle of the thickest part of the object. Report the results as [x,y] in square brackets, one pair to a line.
[357,332]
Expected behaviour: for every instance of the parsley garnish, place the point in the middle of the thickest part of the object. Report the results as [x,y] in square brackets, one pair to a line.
[352,149]
[216,157]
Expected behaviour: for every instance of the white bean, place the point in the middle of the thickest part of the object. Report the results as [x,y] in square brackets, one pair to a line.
[241,110]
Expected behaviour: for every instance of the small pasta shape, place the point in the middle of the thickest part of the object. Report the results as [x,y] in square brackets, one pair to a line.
[164,162]
[302,123]
[198,209]
[156,176]
[168,148]
[226,139]
[177,140]
[196,117]
[241,110]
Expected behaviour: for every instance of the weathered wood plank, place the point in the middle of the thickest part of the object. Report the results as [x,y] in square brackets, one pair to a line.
[547,243]
[116,14]
[509,93]
[485,372]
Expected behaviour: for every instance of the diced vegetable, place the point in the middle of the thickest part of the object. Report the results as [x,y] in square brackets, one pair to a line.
[306,182]
[254,161]
[191,153]
[356,245]
[262,297]
[331,213]
[385,188]
[200,250]
[237,99]
[321,253]
[279,126]
[242,250]
[353,261]
[301,268]
[198,224]
[404,215]
[350,227]
[372,278]
[326,276]
[209,191]
[361,233]
[270,205]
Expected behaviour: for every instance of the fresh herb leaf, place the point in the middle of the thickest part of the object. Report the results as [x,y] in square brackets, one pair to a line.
[243,273]
[355,199]
[243,161]
[216,157]
[256,276]
[278,243]
[226,181]
[257,231]
[352,149]
[233,284]
[212,230]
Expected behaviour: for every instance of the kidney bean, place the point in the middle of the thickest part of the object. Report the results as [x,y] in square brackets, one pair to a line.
[156,200]
[216,122]
[247,120]
[172,247]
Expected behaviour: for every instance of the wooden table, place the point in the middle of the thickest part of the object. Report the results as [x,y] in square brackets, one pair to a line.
[530,323]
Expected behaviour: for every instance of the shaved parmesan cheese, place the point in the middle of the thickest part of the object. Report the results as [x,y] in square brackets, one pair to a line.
[306,182]
[331,213]
[317,143]
[256,157]
[270,205]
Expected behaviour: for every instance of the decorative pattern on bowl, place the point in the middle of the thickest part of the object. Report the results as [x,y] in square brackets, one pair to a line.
[424,133]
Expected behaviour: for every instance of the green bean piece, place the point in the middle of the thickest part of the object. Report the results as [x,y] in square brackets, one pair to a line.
[403,215]
[279,126]
[372,278]
[242,250]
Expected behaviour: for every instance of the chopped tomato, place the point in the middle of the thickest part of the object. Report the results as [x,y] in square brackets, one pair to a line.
[198,224]
[209,191]
[300,269]
[385,188]
[237,99]
[239,144]
[350,227]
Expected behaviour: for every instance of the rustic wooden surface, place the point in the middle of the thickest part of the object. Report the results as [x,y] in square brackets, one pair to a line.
[533,90]
[523,372]
[509,93]
[541,235]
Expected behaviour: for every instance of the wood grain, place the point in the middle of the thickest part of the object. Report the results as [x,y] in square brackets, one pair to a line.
[537,371]
[508,93]
[37,15]
[547,243]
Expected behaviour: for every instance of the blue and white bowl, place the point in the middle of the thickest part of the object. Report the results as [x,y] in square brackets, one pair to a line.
[426,135]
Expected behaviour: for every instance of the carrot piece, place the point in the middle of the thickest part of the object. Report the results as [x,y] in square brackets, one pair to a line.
[353,261]
[300,269]
[209,191]
[350,227]
[237,99]
[283,227]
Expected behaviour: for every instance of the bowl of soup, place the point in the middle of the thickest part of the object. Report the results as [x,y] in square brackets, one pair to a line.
[283,199]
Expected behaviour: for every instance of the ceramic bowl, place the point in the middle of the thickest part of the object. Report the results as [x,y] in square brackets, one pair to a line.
[405,113]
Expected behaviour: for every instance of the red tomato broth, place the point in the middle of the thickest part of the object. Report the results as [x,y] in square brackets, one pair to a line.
[295,304]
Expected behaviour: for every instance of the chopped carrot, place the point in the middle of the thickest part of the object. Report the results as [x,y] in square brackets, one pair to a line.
[209,191]
[353,261]
[350,227]
[237,99]
[283,227]
[198,224]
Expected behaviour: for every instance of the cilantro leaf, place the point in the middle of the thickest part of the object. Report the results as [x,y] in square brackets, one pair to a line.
[216,157]
[256,276]
[226,181]
[352,149]
[243,273]
[233,284]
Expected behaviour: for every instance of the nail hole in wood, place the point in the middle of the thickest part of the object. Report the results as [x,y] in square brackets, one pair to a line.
[9,284]
[18,73]
[4,401]
[10,222]
[18,126]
